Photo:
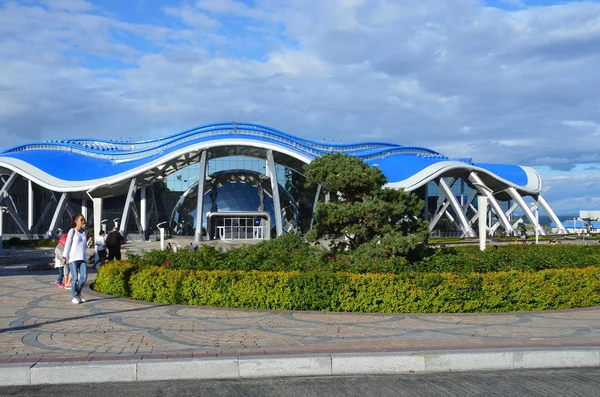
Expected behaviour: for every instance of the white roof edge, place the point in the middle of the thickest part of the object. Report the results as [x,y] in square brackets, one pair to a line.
[53,183]
[533,186]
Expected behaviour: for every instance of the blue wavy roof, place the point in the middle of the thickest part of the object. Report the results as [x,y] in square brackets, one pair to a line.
[88,160]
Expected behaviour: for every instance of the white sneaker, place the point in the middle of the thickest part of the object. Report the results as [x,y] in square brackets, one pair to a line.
[81,298]
[75,300]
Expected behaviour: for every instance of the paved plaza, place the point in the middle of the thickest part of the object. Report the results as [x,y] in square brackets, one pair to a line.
[39,325]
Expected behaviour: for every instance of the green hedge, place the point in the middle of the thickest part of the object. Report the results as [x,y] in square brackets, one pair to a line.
[407,293]
[292,253]
[509,257]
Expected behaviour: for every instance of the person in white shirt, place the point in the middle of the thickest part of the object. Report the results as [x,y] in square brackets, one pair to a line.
[75,255]
[101,246]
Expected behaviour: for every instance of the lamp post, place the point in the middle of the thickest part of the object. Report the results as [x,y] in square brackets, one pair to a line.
[161,230]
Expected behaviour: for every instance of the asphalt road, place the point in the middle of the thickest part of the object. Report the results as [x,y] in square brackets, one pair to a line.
[563,382]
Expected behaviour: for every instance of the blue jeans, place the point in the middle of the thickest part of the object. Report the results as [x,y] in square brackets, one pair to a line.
[59,279]
[78,271]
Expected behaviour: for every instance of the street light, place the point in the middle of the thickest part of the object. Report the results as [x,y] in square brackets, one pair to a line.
[161,229]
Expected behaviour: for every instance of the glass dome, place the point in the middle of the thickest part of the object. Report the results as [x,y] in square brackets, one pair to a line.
[238,191]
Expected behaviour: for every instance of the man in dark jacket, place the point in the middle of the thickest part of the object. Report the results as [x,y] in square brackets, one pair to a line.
[113,243]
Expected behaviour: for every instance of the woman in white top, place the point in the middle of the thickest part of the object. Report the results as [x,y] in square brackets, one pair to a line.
[75,255]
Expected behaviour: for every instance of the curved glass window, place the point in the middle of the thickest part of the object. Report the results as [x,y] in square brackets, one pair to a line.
[233,191]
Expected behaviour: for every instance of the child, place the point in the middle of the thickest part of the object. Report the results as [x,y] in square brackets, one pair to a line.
[58,265]
[58,251]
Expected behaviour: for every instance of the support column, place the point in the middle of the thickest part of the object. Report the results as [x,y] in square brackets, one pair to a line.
[127,208]
[12,210]
[442,208]
[200,199]
[551,214]
[275,190]
[457,209]
[482,207]
[60,209]
[97,208]
[486,191]
[143,218]
[29,205]
[519,200]
[438,215]
[508,215]
[42,217]
[84,208]
[426,208]
[6,186]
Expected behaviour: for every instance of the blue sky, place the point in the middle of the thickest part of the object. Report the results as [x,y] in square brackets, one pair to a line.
[506,81]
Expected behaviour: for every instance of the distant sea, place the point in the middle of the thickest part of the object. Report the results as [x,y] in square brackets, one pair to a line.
[545,220]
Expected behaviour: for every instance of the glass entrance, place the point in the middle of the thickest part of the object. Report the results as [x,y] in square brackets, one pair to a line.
[223,226]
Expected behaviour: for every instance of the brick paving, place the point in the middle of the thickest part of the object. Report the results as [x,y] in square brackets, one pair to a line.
[38,323]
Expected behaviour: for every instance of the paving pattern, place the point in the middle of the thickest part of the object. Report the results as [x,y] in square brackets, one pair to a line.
[38,323]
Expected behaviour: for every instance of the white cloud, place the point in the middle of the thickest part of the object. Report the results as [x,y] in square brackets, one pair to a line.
[71,5]
[192,17]
[516,86]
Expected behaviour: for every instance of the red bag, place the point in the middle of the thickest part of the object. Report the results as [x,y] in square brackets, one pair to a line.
[63,239]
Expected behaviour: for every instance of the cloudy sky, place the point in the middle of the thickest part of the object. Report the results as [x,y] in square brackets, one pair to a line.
[510,81]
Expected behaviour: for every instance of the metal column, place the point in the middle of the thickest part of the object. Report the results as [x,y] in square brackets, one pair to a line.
[275,189]
[426,209]
[6,186]
[551,214]
[143,218]
[200,200]
[29,205]
[457,209]
[60,209]
[97,208]
[127,208]
[519,200]
[84,208]
[483,189]
[482,207]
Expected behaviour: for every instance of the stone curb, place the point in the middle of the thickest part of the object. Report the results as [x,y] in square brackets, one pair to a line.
[299,365]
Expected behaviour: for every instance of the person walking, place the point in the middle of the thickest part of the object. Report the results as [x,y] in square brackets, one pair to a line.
[75,256]
[101,247]
[113,243]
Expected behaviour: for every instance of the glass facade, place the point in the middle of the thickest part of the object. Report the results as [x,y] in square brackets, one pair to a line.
[234,192]
[181,180]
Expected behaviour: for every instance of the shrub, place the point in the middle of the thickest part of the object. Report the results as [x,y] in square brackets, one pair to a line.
[114,278]
[291,253]
[509,257]
[407,292]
